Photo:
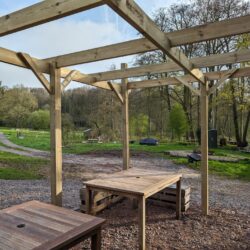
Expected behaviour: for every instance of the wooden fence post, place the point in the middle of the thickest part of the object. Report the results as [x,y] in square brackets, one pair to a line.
[204,148]
[125,121]
[55,136]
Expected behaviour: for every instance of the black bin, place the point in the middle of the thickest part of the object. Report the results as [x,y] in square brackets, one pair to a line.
[212,138]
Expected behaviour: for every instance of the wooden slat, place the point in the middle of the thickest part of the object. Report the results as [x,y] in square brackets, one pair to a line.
[45,227]
[32,65]
[209,31]
[139,184]
[43,12]
[198,62]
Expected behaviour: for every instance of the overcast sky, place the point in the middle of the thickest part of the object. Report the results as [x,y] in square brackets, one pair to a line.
[86,30]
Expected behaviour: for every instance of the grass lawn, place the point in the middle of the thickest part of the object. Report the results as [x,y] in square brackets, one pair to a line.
[16,167]
[41,140]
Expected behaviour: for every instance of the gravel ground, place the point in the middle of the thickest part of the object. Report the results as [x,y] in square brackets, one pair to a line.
[227,226]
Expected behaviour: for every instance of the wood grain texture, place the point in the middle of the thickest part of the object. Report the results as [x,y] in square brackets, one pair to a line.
[209,31]
[44,226]
[43,12]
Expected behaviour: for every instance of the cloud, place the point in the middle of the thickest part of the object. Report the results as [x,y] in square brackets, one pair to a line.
[91,29]
[56,38]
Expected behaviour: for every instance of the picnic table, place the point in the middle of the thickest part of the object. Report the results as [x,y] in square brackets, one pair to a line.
[136,184]
[37,225]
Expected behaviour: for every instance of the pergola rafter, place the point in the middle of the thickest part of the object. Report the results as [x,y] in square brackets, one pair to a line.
[155,39]
[201,33]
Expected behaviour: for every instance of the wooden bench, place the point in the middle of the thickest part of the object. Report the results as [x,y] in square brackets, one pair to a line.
[41,226]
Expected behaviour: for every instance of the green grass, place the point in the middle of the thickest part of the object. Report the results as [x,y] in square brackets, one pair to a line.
[6,157]
[239,170]
[16,167]
[32,138]
[41,140]
[19,174]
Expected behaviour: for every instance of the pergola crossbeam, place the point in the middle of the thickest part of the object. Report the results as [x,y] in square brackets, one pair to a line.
[34,68]
[12,58]
[43,12]
[199,62]
[201,33]
[217,75]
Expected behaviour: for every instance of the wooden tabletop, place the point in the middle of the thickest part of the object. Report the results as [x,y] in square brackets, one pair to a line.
[43,226]
[135,181]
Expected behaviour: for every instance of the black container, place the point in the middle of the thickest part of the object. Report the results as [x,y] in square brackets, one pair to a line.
[212,138]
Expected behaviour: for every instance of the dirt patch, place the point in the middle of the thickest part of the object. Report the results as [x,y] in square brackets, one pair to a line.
[222,229]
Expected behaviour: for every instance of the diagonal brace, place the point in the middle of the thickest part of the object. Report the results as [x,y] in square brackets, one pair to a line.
[187,84]
[33,66]
[224,77]
[68,79]
[134,15]
[116,91]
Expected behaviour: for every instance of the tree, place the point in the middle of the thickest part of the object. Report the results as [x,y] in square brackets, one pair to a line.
[16,105]
[39,119]
[178,120]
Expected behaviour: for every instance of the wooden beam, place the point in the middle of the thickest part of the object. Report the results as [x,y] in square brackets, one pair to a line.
[34,68]
[199,62]
[188,84]
[55,137]
[134,15]
[226,76]
[11,57]
[204,148]
[209,31]
[217,75]
[43,12]
[116,91]
[68,79]
[125,121]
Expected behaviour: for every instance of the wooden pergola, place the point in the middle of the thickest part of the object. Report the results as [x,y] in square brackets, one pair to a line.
[155,39]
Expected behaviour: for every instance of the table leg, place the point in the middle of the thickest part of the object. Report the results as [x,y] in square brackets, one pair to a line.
[142,223]
[96,241]
[88,200]
[178,199]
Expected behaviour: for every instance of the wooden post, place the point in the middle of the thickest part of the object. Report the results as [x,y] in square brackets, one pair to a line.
[55,137]
[178,199]
[125,121]
[204,147]
[142,223]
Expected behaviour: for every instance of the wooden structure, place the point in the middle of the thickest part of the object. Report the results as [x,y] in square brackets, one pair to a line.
[36,225]
[154,39]
[136,184]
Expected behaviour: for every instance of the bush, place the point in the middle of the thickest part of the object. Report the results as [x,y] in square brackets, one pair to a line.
[39,120]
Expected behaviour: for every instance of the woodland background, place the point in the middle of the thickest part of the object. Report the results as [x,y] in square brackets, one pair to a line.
[166,112]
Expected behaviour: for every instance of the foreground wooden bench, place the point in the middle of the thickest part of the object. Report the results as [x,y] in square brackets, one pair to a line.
[137,184]
[40,226]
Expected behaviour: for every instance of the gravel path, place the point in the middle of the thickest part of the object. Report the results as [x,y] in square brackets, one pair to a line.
[224,193]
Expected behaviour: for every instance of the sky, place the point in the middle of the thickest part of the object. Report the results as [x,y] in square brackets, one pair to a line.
[90,29]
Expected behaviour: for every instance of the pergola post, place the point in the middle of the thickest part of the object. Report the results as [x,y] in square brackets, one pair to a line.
[125,121]
[204,147]
[55,136]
